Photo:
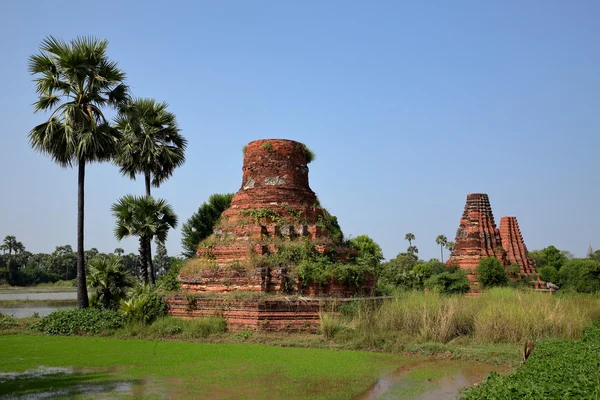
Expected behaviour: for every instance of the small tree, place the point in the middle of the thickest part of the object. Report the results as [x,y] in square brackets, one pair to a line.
[491,272]
[442,241]
[201,223]
[110,280]
[410,237]
[144,217]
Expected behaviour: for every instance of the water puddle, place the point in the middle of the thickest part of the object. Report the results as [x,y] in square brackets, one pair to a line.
[429,380]
[59,382]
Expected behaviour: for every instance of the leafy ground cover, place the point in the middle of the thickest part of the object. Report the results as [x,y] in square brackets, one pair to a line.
[190,370]
[557,369]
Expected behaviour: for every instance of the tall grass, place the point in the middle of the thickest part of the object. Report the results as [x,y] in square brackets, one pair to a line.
[501,315]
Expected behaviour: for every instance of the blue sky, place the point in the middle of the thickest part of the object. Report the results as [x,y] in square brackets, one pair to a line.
[408,106]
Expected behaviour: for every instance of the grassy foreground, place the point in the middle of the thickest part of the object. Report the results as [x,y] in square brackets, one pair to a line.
[193,370]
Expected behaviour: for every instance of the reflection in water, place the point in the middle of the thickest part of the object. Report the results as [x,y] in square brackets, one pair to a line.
[429,380]
[58,376]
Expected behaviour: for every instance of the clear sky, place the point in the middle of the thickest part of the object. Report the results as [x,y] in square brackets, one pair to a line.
[408,106]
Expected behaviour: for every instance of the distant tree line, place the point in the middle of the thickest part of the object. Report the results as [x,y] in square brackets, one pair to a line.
[19,267]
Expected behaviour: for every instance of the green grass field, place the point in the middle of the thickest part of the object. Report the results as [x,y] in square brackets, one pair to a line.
[192,370]
[152,369]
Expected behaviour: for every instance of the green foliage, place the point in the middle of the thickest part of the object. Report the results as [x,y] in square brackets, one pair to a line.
[8,322]
[263,213]
[144,306]
[448,283]
[244,149]
[310,155]
[110,281]
[330,223]
[200,225]
[491,272]
[398,273]
[169,281]
[556,369]
[267,146]
[151,142]
[548,274]
[369,252]
[80,321]
[580,275]
[549,256]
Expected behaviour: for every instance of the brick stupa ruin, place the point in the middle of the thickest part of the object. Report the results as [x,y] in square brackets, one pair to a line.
[513,243]
[478,237]
[275,206]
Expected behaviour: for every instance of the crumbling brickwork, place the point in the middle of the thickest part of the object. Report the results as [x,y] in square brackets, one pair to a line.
[274,205]
[513,243]
[477,237]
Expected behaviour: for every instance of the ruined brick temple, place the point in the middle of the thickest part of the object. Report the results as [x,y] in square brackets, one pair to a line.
[478,237]
[274,207]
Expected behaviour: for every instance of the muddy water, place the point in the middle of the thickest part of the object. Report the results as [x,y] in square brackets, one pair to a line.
[429,380]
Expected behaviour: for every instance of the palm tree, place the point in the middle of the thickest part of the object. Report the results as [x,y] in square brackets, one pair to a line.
[144,217]
[450,246]
[110,280]
[11,244]
[441,240]
[75,81]
[119,252]
[410,237]
[151,144]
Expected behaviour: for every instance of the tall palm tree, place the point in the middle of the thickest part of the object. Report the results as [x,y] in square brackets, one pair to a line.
[152,144]
[75,81]
[144,217]
[450,246]
[110,279]
[410,237]
[441,240]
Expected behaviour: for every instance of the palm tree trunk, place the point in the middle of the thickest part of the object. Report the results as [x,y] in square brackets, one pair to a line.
[149,247]
[82,295]
[442,252]
[150,263]
[143,260]
[147,180]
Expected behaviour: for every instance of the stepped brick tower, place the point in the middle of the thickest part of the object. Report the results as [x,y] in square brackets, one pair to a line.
[512,242]
[477,237]
[274,206]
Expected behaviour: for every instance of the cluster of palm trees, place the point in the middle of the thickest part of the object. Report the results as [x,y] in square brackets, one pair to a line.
[11,245]
[441,240]
[76,82]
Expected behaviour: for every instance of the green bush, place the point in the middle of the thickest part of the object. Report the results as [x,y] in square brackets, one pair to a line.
[8,322]
[548,274]
[580,275]
[556,369]
[144,306]
[490,272]
[449,283]
[80,321]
